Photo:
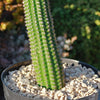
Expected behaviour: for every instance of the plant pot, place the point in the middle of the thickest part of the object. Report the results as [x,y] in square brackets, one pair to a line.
[1,88]
[10,95]
[1,69]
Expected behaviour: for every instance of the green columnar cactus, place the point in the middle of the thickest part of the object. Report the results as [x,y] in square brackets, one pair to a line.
[44,53]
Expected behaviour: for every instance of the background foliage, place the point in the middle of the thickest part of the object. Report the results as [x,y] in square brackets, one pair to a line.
[80,18]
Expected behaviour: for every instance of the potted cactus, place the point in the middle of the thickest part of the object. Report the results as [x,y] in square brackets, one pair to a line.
[45,58]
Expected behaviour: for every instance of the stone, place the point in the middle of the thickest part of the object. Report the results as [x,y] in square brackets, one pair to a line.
[59,39]
[62,43]
[51,94]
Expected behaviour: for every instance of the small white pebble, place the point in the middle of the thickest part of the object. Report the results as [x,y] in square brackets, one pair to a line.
[56,94]
[97,80]
[51,94]
[83,85]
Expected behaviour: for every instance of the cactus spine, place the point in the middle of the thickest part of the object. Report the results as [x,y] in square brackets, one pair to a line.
[44,54]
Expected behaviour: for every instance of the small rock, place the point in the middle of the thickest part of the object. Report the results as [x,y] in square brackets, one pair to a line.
[65,54]
[68,41]
[62,44]
[21,37]
[60,38]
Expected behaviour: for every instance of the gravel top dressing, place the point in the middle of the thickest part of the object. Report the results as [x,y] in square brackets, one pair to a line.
[80,82]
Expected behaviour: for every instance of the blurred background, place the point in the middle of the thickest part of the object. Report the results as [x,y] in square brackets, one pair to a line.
[77,27]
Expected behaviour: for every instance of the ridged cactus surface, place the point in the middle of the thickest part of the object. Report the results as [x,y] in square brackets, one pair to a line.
[44,53]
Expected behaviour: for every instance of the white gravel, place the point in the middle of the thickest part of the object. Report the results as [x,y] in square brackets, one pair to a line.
[80,82]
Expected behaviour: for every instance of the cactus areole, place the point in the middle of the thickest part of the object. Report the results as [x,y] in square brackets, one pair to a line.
[44,55]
